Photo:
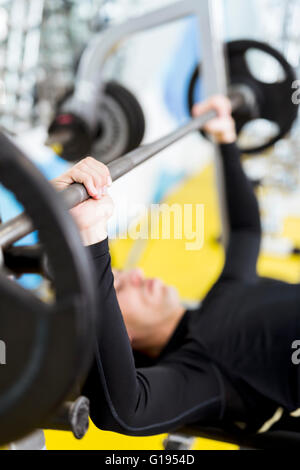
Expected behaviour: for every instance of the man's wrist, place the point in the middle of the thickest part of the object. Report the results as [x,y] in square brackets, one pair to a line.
[229,138]
[93,236]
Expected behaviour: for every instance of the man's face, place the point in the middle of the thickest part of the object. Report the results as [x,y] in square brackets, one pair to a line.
[144,303]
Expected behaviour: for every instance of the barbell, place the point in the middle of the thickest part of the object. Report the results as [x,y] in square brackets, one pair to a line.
[17,228]
[120,122]
[247,101]
[242,98]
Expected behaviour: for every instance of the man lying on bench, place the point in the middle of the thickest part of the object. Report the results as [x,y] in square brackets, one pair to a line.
[228,361]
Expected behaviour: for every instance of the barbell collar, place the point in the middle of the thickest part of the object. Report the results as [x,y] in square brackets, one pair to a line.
[242,96]
[72,416]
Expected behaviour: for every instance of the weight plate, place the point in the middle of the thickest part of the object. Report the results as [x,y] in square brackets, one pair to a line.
[273,100]
[113,131]
[70,137]
[133,111]
[48,345]
[120,127]
[121,124]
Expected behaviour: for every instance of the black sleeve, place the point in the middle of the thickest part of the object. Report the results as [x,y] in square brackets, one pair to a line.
[244,219]
[141,401]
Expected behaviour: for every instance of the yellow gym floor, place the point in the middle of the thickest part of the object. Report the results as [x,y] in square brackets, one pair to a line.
[193,273]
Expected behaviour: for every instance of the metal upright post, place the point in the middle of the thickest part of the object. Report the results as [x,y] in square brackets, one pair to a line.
[214,79]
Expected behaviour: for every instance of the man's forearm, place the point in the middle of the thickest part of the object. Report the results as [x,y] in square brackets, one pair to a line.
[241,202]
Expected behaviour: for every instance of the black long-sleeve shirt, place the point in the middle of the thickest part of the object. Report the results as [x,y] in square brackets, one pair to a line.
[228,360]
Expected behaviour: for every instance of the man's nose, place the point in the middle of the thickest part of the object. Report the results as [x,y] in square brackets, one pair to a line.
[137,277]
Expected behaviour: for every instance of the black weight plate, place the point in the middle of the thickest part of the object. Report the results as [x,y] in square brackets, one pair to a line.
[70,137]
[48,346]
[24,259]
[133,111]
[121,123]
[273,100]
[120,129]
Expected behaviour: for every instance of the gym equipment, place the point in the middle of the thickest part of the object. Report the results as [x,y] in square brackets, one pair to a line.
[178,442]
[72,137]
[277,438]
[20,226]
[39,54]
[120,128]
[71,416]
[34,441]
[85,102]
[28,259]
[244,100]
[271,101]
[48,345]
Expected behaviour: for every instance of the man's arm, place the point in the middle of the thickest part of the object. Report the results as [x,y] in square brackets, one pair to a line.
[125,399]
[146,401]
[244,219]
[242,207]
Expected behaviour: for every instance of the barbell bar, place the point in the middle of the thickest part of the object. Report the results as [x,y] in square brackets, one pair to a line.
[17,228]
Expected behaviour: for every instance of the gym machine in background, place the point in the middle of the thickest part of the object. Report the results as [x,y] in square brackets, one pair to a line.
[77,120]
[40,43]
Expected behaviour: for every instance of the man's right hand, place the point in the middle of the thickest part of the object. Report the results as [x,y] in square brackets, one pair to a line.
[222,128]
[92,215]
